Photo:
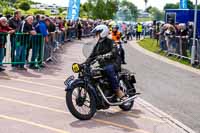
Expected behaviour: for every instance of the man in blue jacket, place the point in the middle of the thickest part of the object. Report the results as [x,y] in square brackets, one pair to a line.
[38,42]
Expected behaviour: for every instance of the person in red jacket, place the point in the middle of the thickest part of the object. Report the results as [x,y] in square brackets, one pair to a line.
[4,30]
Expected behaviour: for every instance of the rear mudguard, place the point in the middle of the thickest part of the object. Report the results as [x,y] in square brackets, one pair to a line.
[81,81]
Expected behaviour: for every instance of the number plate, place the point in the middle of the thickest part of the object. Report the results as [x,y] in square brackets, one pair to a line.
[69,80]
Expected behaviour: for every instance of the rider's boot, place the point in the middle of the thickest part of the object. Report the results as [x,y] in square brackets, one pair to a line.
[120,94]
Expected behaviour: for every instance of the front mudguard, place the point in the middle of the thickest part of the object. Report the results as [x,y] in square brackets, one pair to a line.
[76,82]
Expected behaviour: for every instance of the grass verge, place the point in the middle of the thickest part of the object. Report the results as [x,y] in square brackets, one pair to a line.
[153,46]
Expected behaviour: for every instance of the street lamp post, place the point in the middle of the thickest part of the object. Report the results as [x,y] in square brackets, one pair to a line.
[194,35]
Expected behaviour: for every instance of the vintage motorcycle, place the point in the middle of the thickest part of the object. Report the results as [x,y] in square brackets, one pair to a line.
[91,91]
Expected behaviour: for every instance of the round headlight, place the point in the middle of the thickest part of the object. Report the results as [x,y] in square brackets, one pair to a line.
[76,68]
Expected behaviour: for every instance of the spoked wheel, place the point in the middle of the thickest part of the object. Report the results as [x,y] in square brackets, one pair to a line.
[81,103]
[127,106]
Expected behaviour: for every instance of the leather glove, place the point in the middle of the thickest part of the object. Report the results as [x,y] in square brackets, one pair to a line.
[100,58]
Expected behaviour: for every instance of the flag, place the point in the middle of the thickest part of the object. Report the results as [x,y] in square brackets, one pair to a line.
[73,9]
[183,4]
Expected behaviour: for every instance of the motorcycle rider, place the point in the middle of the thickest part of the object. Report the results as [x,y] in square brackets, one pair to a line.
[108,56]
[116,37]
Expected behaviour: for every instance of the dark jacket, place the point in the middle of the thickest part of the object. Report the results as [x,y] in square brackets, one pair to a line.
[25,28]
[14,24]
[52,27]
[110,52]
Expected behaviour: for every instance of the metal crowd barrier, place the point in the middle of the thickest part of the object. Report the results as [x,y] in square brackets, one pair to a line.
[180,46]
[16,48]
[23,49]
[52,46]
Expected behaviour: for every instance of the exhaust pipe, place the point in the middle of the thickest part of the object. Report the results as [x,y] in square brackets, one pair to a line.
[129,99]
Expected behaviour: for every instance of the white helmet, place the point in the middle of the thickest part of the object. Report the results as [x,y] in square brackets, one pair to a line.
[102,29]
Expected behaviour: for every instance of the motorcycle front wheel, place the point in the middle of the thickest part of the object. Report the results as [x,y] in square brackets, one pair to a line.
[81,102]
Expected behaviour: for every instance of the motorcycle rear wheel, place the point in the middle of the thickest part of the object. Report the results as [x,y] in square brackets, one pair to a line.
[127,106]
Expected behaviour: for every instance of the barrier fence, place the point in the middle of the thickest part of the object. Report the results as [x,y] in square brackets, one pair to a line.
[15,48]
[20,49]
[180,46]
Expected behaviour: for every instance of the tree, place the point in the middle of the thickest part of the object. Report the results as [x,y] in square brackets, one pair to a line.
[133,10]
[111,9]
[19,2]
[176,6]
[190,5]
[107,9]
[148,9]
[86,9]
[101,9]
[7,11]
[171,6]
[24,6]
[39,12]
[60,10]
[156,13]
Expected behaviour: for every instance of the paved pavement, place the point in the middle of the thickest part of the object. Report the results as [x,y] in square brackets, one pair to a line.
[34,102]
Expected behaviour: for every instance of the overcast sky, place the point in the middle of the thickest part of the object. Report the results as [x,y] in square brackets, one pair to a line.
[139,3]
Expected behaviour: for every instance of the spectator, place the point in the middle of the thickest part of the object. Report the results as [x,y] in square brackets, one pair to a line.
[74,30]
[190,36]
[8,16]
[66,27]
[14,23]
[69,25]
[79,29]
[170,36]
[129,32]
[62,29]
[184,42]
[35,43]
[132,31]
[162,38]
[138,31]
[51,29]
[23,40]
[51,42]
[36,20]
[4,29]
[40,28]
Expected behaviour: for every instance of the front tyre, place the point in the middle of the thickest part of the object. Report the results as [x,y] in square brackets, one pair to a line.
[81,102]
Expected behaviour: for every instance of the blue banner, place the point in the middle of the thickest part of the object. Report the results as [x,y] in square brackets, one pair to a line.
[73,9]
[183,4]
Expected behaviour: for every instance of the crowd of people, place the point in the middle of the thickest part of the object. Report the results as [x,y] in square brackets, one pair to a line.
[43,35]
[40,34]
[176,38]
[172,38]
